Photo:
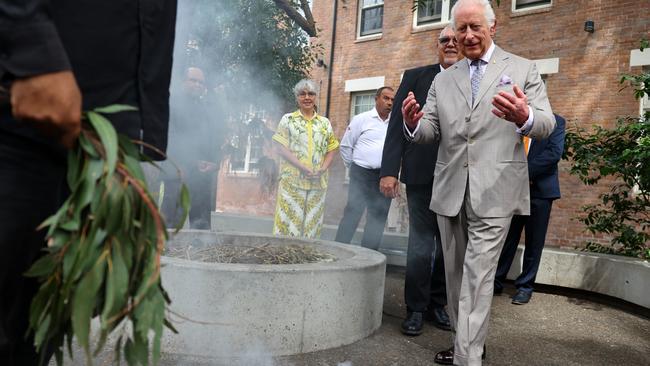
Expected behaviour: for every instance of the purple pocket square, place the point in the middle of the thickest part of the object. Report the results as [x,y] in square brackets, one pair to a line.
[505,80]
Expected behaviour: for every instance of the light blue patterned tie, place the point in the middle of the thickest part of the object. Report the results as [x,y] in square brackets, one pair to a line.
[476,78]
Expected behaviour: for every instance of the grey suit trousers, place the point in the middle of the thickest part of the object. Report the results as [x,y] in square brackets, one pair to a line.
[471,246]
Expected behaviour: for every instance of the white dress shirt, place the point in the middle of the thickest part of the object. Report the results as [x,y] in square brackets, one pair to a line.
[363,141]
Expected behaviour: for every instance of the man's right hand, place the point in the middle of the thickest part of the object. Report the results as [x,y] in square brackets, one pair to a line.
[389,186]
[52,102]
[411,111]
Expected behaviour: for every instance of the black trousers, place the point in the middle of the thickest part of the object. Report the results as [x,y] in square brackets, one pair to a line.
[536,226]
[32,179]
[201,186]
[364,193]
[424,286]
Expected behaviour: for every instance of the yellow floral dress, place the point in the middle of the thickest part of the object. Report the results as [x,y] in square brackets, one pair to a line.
[300,204]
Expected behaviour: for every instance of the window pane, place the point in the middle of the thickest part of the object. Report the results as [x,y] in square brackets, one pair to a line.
[362,103]
[371,20]
[523,4]
[367,3]
[430,10]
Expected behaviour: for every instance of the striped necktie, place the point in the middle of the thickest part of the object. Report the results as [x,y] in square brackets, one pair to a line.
[476,77]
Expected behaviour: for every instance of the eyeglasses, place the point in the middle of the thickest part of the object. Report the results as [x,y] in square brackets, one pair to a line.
[445,40]
[304,94]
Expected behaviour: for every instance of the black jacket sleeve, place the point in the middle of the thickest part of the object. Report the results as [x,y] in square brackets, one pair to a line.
[394,144]
[29,42]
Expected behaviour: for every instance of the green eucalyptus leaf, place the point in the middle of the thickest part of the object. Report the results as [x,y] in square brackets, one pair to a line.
[185,202]
[134,167]
[108,137]
[115,108]
[72,175]
[117,282]
[43,266]
[87,147]
[128,147]
[84,302]
[41,331]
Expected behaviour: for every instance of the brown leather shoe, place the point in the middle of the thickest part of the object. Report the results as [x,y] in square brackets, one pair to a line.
[446,357]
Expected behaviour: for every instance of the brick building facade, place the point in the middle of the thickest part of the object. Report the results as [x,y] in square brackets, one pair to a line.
[375,41]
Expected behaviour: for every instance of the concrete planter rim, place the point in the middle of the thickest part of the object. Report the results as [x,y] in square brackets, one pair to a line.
[359,256]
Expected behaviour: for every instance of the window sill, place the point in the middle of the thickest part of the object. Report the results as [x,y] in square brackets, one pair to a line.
[428,27]
[372,37]
[524,12]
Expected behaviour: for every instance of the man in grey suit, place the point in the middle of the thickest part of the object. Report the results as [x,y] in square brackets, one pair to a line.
[478,111]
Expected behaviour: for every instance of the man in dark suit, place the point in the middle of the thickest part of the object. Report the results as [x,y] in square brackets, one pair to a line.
[543,156]
[424,287]
[58,57]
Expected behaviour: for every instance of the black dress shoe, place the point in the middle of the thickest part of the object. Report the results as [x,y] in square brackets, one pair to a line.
[438,316]
[412,325]
[521,297]
[446,357]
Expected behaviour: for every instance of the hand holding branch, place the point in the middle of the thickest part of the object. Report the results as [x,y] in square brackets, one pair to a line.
[52,102]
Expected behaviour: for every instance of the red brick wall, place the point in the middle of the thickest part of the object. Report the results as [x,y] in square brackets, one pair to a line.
[584,91]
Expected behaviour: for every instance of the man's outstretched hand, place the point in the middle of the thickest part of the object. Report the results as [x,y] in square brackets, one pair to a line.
[411,111]
[52,102]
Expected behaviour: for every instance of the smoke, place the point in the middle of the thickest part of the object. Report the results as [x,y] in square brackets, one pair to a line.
[235,62]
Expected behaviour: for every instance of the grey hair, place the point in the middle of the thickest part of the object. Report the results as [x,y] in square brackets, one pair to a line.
[305,85]
[487,11]
[442,32]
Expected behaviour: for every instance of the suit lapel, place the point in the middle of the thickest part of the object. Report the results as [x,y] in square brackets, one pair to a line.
[493,70]
[460,72]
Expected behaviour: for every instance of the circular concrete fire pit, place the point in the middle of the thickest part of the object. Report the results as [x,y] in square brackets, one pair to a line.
[230,310]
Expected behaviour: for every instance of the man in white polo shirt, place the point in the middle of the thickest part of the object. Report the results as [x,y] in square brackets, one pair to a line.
[361,150]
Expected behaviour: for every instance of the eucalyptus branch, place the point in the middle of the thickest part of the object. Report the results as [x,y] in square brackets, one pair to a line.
[104,248]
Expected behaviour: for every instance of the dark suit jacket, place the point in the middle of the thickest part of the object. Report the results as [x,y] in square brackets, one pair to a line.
[543,156]
[417,161]
[120,52]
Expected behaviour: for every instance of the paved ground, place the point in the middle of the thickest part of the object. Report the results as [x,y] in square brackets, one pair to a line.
[553,329]
[561,328]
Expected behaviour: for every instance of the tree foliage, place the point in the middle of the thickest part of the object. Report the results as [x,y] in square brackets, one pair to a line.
[250,48]
[622,153]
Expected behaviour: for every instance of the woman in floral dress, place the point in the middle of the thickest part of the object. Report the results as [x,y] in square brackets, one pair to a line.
[306,142]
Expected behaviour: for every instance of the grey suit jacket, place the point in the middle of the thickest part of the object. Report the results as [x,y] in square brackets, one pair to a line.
[477,149]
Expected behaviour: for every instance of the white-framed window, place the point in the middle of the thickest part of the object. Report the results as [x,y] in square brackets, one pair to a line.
[371,16]
[247,142]
[433,12]
[362,102]
[518,5]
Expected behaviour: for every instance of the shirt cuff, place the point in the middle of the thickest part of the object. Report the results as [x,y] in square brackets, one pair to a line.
[525,129]
[410,135]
